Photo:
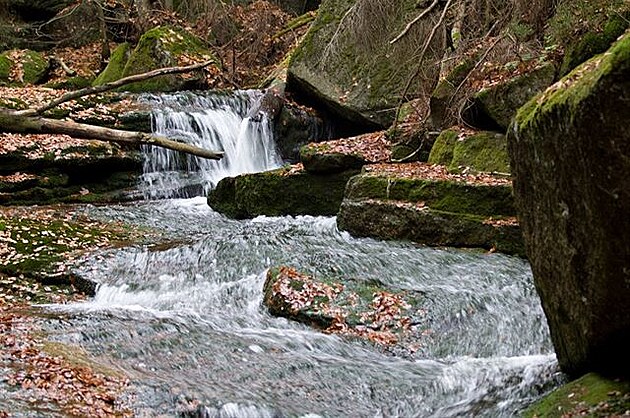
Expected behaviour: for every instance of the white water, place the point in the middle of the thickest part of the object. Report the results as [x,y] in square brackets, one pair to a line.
[186,323]
[221,122]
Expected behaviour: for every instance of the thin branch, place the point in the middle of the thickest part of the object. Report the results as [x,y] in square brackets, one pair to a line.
[421,58]
[413,22]
[110,86]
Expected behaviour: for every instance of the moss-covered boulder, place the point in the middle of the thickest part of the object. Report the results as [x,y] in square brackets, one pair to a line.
[349,307]
[591,395]
[570,159]
[425,204]
[346,61]
[285,191]
[583,28]
[345,154]
[496,104]
[163,46]
[463,150]
[22,67]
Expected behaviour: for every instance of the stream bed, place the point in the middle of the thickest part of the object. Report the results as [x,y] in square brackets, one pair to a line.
[186,323]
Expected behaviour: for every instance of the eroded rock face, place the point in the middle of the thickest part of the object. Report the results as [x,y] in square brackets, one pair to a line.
[346,61]
[570,158]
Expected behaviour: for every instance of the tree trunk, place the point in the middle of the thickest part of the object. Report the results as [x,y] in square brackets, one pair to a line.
[13,121]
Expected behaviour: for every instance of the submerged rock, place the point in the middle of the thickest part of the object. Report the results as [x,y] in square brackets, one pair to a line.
[354,307]
[285,191]
[425,204]
[570,158]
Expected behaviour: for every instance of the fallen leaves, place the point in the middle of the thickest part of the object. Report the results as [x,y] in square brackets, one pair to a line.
[372,147]
[419,170]
[353,308]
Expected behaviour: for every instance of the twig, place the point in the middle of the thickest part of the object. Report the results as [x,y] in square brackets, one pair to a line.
[414,21]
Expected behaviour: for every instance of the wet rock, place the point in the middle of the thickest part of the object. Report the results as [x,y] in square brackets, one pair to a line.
[570,158]
[285,191]
[425,204]
[464,150]
[352,307]
[295,127]
[347,64]
[163,46]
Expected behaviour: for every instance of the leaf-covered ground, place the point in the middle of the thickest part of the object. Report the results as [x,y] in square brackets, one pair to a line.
[37,246]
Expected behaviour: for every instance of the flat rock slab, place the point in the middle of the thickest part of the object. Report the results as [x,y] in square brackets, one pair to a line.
[346,153]
[352,307]
[286,191]
[424,203]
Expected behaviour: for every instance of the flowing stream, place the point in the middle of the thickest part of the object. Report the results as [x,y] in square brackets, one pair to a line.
[185,321]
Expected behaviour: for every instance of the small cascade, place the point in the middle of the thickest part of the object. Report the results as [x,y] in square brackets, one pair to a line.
[216,121]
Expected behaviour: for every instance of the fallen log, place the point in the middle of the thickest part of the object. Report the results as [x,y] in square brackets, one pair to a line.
[13,121]
[30,120]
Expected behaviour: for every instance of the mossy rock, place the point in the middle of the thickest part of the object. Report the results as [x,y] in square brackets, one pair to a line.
[471,151]
[116,66]
[570,160]
[591,395]
[584,28]
[31,67]
[280,192]
[163,46]
[445,195]
[347,64]
[496,105]
[401,220]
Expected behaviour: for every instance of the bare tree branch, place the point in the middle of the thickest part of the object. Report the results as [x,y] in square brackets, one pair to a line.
[414,21]
[110,86]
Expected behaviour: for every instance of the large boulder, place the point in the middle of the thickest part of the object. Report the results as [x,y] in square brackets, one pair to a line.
[570,158]
[286,191]
[163,46]
[346,61]
[426,204]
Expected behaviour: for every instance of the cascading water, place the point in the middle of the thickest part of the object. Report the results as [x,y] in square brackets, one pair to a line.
[187,325]
[228,122]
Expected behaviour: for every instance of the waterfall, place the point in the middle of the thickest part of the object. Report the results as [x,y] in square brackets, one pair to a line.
[216,121]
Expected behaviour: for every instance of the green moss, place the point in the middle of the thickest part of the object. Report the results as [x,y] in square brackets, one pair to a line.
[160,47]
[450,196]
[584,28]
[5,68]
[577,85]
[278,193]
[116,65]
[442,150]
[72,83]
[481,152]
[592,394]
[34,67]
